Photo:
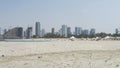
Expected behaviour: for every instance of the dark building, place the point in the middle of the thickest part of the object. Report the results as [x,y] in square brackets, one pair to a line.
[29,32]
[116,31]
[53,30]
[15,33]
[37,29]
[69,33]
[92,31]
[85,32]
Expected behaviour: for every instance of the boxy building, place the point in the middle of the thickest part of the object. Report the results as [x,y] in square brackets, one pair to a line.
[15,33]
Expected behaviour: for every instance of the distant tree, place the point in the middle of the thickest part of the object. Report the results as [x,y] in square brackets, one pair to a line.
[92,36]
[82,36]
[115,35]
[102,35]
[34,36]
[50,35]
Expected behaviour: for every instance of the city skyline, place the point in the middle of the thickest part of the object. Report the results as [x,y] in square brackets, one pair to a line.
[36,29]
[102,15]
[64,31]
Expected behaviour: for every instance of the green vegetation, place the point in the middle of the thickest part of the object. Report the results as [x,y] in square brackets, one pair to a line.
[50,35]
[102,35]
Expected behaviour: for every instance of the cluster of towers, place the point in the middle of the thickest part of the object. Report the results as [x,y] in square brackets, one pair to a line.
[38,31]
[64,31]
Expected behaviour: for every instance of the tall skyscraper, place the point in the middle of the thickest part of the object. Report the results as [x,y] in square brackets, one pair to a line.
[78,31]
[53,30]
[64,30]
[92,31]
[69,33]
[29,32]
[37,29]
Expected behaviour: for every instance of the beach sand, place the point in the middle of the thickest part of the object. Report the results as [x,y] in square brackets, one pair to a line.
[60,54]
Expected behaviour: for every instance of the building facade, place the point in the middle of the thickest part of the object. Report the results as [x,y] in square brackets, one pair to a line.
[15,33]
[116,31]
[29,32]
[64,30]
[60,32]
[43,32]
[85,32]
[0,31]
[53,30]
[37,29]
[92,31]
[78,31]
[69,33]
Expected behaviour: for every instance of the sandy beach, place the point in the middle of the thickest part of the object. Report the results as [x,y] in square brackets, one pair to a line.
[60,54]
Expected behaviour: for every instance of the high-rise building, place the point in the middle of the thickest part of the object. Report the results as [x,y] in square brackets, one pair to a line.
[43,32]
[64,30]
[116,31]
[85,32]
[69,33]
[5,30]
[37,29]
[14,33]
[53,30]
[1,36]
[78,31]
[60,32]
[0,31]
[25,34]
[29,32]
[92,31]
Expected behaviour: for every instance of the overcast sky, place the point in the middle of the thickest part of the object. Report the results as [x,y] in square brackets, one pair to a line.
[103,15]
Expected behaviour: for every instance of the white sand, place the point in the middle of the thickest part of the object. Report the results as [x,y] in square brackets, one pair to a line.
[60,54]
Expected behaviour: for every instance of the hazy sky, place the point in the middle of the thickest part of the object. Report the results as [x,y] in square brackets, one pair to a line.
[103,15]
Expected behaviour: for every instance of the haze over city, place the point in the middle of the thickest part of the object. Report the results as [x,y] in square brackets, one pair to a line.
[103,15]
